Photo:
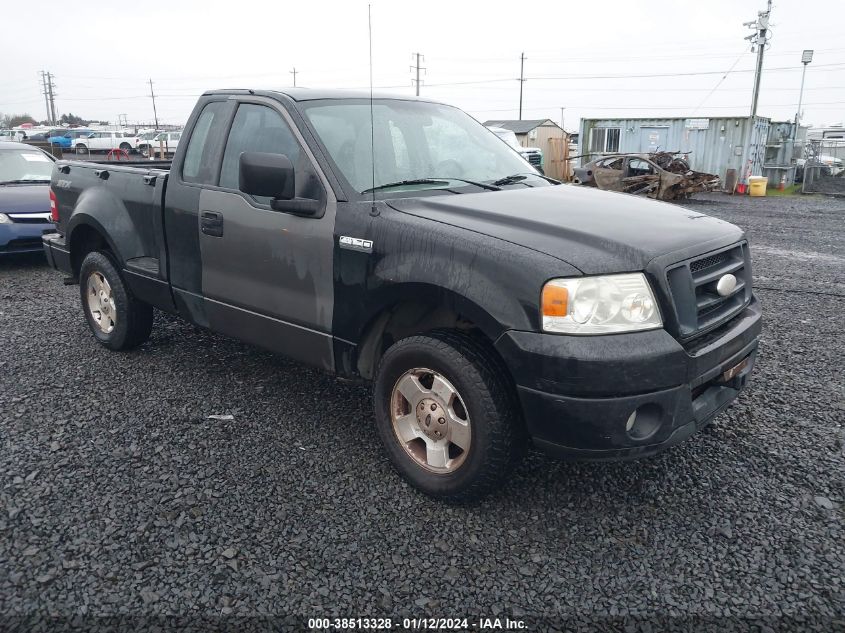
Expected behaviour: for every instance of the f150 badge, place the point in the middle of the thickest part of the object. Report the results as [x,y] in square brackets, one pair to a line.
[356,244]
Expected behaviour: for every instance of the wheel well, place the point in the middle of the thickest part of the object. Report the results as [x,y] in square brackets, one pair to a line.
[85,239]
[402,320]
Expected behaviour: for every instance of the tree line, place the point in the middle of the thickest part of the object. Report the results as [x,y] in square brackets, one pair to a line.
[14,120]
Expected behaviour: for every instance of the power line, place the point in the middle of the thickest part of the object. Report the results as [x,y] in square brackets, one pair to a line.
[719,83]
[652,107]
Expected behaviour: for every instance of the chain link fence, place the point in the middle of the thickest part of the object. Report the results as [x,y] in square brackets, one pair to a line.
[823,170]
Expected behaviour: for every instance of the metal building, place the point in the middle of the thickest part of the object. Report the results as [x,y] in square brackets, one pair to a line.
[714,144]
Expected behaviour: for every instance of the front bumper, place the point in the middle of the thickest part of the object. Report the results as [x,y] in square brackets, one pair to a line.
[578,393]
[23,237]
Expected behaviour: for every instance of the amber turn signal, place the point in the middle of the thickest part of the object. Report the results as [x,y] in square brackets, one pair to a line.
[555,301]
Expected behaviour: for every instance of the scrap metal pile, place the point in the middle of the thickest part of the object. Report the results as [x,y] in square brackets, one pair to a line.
[676,180]
[661,175]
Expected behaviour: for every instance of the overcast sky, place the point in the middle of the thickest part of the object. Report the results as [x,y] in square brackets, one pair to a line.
[596,59]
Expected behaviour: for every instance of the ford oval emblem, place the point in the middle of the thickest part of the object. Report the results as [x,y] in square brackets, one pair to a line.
[726,285]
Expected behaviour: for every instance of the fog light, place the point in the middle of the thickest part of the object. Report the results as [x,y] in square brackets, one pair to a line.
[644,422]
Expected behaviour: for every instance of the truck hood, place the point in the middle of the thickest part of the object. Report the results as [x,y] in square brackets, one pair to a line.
[25,198]
[594,231]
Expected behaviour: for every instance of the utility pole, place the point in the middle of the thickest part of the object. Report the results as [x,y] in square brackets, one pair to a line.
[293,72]
[561,119]
[52,98]
[806,58]
[758,41]
[152,94]
[418,68]
[46,95]
[521,81]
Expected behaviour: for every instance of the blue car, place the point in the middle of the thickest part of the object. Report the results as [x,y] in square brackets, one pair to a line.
[64,138]
[24,197]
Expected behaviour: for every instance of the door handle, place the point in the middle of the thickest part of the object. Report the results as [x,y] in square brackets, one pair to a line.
[211,223]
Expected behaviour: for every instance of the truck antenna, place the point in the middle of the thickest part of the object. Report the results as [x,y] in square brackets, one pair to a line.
[373,209]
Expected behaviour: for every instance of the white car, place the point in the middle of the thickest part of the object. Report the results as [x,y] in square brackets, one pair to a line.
[12,135]
[533,155]
[103,141]
[169,139]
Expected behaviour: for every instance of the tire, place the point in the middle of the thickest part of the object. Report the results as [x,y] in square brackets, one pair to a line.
[484,397]
[126,147]
[116,318]
[81,149]
[145,150]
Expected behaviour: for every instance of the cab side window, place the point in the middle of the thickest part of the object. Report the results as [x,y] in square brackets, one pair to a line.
[199,165]
[259,128]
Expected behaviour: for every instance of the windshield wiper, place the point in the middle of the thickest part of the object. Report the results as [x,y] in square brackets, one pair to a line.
[518,178]
[399,183]
[23,181]
[431,181]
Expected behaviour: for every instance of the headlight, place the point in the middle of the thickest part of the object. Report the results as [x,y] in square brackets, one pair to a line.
[599,305]
[5,219]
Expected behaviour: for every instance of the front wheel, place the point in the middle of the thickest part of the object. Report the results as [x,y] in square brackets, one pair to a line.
[81,149]
[447,415]
[116,318]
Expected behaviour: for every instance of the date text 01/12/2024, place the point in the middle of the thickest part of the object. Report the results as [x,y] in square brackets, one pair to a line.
[416,624]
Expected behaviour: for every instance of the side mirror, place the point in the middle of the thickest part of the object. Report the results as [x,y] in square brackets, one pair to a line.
[263,174]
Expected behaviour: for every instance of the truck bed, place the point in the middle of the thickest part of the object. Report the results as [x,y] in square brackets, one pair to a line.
[126,200]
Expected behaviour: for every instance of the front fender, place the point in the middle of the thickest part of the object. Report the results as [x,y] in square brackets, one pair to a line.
[490,281]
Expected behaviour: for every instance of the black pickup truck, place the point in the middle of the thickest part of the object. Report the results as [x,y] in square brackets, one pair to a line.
[489,305]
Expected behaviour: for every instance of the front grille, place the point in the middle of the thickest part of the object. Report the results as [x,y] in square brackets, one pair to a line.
[708,262]
[698,306]
[29,219]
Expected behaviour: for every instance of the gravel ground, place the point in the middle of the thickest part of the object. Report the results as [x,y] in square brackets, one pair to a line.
[121,497]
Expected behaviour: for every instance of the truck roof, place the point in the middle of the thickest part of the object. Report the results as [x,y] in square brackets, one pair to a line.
[309,94]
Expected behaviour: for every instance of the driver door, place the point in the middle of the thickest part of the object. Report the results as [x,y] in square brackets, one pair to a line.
[267,276]
[608,173]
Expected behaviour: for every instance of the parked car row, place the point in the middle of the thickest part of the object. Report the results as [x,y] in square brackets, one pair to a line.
[85,141]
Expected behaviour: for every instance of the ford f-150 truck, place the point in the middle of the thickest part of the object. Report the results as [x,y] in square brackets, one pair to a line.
[398,241]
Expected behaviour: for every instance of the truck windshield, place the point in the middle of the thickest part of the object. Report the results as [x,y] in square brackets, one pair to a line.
[415,142]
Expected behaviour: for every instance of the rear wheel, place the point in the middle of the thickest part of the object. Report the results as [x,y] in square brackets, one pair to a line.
[81,149]
[116,318]
[126,147]
[447,414]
